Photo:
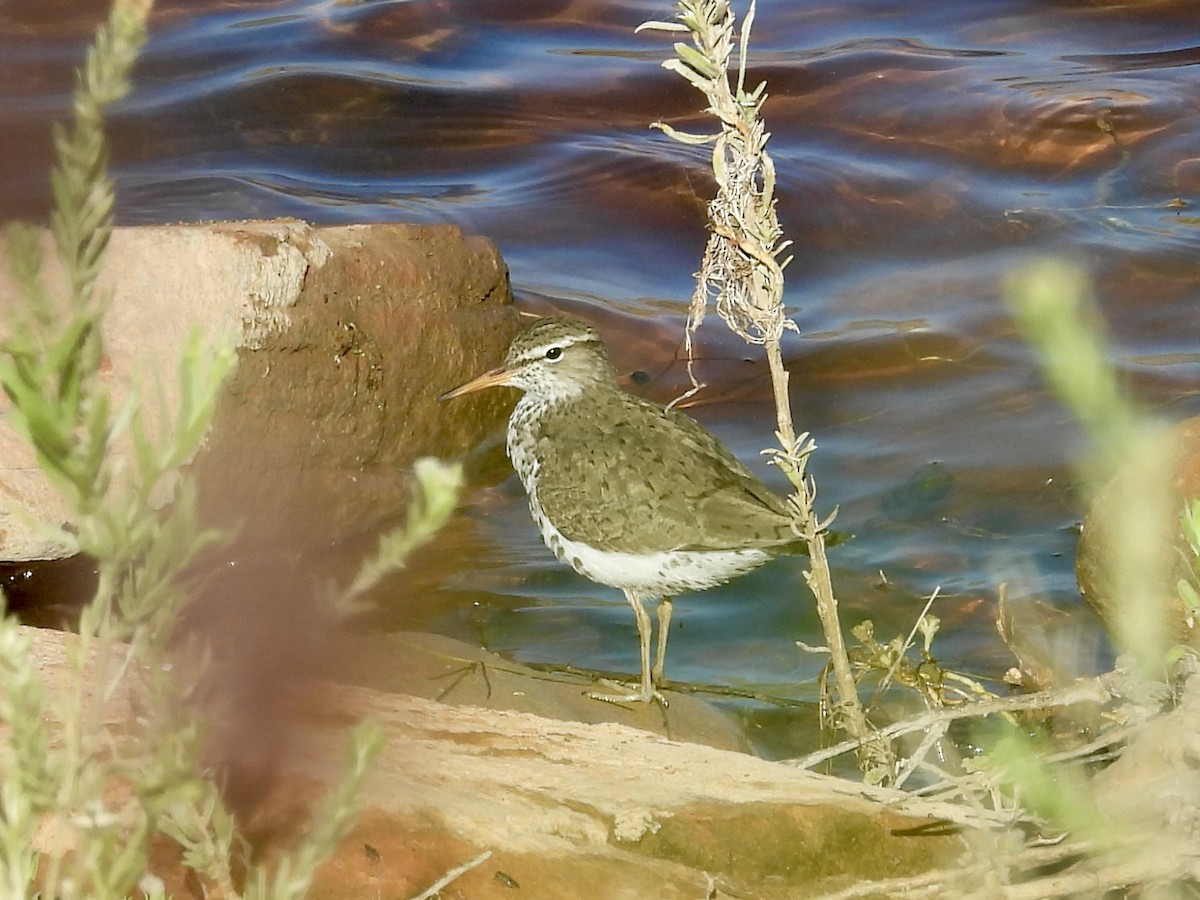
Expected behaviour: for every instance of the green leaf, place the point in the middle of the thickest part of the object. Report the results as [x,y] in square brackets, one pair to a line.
[697,62]
[720,148]
[1189,595]
[678,67]
[685,137]
[660,26]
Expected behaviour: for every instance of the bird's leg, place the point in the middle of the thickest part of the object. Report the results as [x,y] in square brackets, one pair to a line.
[647,691]
[665,608]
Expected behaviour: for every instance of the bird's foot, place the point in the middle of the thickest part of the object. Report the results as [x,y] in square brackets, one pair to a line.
[647,693]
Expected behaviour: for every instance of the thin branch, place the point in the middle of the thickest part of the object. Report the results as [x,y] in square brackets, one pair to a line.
[1091,690]
[742,273]
[453,874]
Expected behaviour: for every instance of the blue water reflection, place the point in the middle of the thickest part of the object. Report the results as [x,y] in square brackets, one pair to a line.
[924,151]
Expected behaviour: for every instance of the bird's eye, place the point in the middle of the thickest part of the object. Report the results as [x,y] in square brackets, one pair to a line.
[554,353]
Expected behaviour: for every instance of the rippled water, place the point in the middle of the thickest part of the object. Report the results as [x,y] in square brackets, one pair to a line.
[924,151]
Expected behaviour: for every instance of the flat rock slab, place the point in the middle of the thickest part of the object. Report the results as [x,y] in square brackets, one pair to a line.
[567,809]
[607,810]
[440,668]
[346,336]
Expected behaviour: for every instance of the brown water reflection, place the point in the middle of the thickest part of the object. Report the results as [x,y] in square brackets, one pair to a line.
[924,151]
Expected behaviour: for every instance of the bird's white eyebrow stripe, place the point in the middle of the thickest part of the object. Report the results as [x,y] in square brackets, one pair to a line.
[580,339]
[565,341]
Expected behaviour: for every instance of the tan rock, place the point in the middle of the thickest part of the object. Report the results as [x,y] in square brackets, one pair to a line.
[346,336]
[565,809]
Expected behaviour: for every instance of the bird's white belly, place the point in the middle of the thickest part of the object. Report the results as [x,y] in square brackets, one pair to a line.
[661,574]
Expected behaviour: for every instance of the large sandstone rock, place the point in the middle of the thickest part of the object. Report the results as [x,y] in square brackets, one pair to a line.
[566,809]
[346,336]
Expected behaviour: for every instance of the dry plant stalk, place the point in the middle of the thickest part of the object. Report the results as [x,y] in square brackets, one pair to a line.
[742,273]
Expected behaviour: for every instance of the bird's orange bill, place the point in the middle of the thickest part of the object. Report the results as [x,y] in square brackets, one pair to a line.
[488,379]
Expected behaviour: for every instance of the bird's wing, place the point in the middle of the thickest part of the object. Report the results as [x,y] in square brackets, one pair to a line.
[646,479]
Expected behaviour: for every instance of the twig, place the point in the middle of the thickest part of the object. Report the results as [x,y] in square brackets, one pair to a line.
[453,874]
[891,672]
[1091,690]
[1162,865]
[1147,869]
[742,273]
[935,734]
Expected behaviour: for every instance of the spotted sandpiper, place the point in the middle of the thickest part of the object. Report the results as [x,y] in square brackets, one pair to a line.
[630,494]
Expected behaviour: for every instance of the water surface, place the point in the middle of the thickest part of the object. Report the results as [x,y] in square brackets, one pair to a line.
[924,152]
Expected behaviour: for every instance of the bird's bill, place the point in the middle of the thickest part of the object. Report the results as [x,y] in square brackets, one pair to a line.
[492,378]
